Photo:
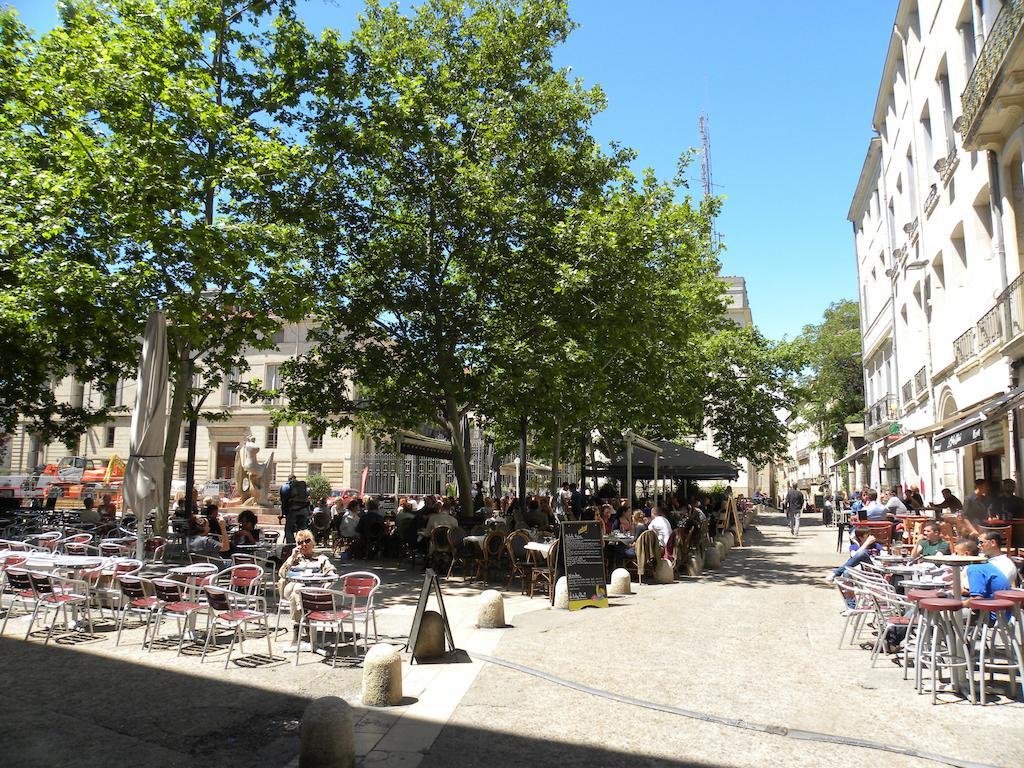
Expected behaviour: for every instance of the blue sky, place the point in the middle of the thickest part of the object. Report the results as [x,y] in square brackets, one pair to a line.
[789,89]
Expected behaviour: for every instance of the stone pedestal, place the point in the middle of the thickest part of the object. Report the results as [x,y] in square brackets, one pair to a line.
[491,614]
[722,551]
[327,739]
[663,572]
[620,583]
[562,594]
[382,676]
[430,643]
[712,560]
[693,568]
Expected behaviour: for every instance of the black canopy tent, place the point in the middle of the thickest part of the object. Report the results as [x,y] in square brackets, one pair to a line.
[676,461]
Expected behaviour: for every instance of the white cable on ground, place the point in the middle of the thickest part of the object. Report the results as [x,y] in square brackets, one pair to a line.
[747,725]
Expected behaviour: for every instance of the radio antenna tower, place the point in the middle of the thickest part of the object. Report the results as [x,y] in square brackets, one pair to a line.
[705,168]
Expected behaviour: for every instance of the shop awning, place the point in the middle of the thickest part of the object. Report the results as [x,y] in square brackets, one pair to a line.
[413,444]
[968,429]
[676,461]
[512,467]
[851,456]
[905,444]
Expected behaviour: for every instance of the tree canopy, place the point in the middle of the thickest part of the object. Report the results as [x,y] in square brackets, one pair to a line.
[833,386]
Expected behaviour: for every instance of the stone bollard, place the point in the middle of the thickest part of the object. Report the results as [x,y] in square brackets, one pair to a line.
[663,573]
[430,643]
[722,551]
[724,541]
[693,567]
[620,583]
[382,676]
[491,614]
[562,593]
[712,559]
[730,538]
[327,739]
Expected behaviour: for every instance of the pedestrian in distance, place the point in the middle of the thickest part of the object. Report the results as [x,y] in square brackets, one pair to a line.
[795,504]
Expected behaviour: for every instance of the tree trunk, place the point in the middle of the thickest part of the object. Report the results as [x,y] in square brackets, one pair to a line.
[459,458]
[556,458]
[181,385]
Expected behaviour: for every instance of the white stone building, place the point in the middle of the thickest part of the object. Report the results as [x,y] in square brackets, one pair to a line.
[938,220]
[295,449]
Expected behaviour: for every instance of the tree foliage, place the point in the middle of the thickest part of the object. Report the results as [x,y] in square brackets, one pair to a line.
[147,143]
[833,386]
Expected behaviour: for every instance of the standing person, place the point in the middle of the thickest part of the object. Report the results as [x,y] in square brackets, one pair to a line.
[795,504]
[976,504]
[285,492]
[576,501]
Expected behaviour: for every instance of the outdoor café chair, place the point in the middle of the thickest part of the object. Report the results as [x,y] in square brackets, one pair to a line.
[545,575]
[360,587]
[15,582]
[492,550]
[269,569]
[75,541]
[103,581]
[18,546]
[57,593]
[47,541]
[135,599]
[323,610]
[520,565]
[154,548]
[229,609]
[245,580]
[172,602]
[460,555]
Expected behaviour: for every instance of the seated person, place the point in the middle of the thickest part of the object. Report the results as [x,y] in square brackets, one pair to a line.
[931,543]
[247,532]
[604,516]
[660,525]
[983,579]
[624,522]
[440,517]
[862,548]
[949,502]
[893,505]
[991,545]
[534,517]
[89,514]
[303,558]
[874,510]
[202,542]
[639,523]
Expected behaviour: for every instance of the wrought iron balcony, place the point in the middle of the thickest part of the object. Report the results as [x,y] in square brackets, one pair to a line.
[945,166]
[882,413]
[932,200]
[990,328]
[986,70]
[920,382]
[907,391]
[965,347]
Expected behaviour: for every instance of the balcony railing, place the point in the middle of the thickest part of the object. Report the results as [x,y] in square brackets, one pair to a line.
[907,391]
[1012,302]
[881,413]
[1008,23]
[945,166]
[920,382]
[964,348]
[932,200]
[990,328]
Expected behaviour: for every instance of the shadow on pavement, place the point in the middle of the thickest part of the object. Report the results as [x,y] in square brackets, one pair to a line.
[767,561]
[68,708]
[459,746]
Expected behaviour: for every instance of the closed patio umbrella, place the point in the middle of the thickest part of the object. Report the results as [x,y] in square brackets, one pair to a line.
[143,477]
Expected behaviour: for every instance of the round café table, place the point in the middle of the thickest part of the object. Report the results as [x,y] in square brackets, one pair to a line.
[956,562]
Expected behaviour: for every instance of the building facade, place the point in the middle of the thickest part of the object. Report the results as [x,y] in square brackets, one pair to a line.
[936,215]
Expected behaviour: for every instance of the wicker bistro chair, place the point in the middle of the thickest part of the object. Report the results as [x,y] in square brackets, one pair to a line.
[461,553]
[546,576]
[520,564]
[492,551]
[441,550]
[230,609]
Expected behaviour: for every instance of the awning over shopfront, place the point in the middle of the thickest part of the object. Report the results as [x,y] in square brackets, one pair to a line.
[905,444]
[413,444]
[968,429]
[676,461]
[852,456]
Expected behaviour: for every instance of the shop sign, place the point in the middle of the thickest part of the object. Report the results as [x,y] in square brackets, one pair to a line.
[964,437]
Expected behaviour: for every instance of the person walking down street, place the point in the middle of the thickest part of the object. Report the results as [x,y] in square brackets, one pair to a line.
[795,503]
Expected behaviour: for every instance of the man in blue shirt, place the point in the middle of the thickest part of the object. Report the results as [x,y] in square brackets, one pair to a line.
[874,510]
[983,579]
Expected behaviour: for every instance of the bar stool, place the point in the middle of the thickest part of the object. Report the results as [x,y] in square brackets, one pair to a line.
[914,627]
[943,643]
[987,625]
[1016,596]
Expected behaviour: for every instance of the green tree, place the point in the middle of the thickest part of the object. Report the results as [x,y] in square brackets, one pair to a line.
[833,386]
[152,143]
[465,154]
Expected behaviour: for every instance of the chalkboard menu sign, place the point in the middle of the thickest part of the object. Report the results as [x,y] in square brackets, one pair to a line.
[583,556]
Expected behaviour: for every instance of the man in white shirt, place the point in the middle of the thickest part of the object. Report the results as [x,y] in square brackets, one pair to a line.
[874,510]
[660,525]
[992,547]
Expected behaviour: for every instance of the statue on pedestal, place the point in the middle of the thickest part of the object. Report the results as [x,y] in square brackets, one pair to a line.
[252,478]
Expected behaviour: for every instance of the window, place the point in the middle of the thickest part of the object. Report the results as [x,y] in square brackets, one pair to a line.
[182,470]
[272,381]
[185,432]
[108,441]
[968,39]
[278,336]
[911,188]
[316,442]
[926,132]
[947,107]
[77,394]
[271,441]
[230,395]
[314,469]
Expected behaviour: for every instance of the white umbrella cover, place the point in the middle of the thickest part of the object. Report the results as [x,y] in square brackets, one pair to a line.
[143,476]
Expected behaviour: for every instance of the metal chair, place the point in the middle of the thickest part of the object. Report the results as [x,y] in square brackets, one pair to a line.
[320,613]
[362,586]
[58,593]
[229,609]
[135,599]
[172,602]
